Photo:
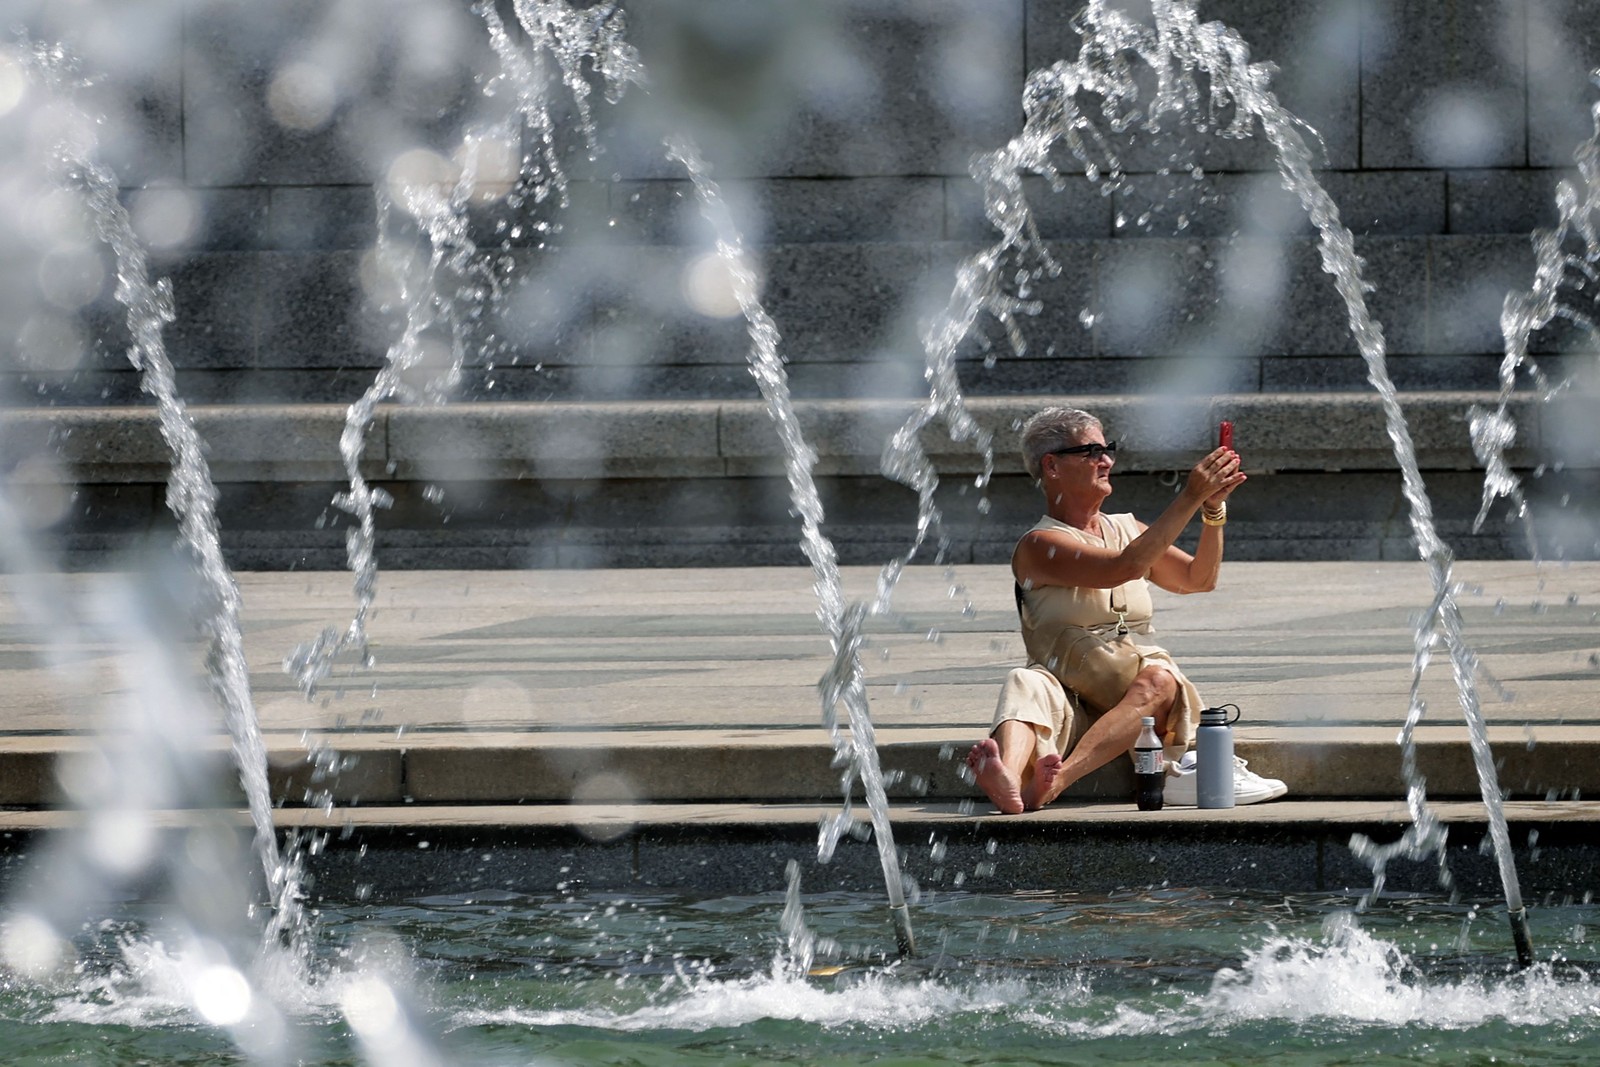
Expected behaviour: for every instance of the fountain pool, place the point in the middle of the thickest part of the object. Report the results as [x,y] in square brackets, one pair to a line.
[1179,976]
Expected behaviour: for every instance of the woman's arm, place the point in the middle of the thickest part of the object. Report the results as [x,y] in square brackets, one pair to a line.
[1045,557]
[1178,572]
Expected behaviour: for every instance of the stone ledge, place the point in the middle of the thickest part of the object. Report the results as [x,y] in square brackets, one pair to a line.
[1581,815]
[675,439]
[1344,763]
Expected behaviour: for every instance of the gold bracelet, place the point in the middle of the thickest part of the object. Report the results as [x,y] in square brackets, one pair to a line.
[1219,517]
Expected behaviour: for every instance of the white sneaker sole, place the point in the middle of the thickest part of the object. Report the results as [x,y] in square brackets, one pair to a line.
[1257,791]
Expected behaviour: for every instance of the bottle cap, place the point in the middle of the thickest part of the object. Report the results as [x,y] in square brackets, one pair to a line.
[1148,720]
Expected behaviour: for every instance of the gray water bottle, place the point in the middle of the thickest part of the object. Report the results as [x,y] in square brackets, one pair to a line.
[1214,757]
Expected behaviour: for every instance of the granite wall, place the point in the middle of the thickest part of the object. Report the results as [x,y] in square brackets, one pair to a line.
[842,134]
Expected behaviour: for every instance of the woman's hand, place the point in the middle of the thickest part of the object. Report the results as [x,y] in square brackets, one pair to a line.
[1215,477]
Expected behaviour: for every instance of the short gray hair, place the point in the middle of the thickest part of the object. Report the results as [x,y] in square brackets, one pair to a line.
[1053,429]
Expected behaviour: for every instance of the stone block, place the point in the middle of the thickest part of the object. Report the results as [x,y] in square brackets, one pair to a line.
[125,444]
[1156,297]
[141,136]
[714,512]
[319,218]
[231,137]
[1397,202]
[844,300]
[1568,433]
[366,777]
[77,388]
[593,774]
[1503,201]
[1471,276]
[99,508]
[1296,303]
[553,440]
[786,210]
[1210,205]
[235,220]
[28,774]
[287,516]
[312,312]
[1443,85]
[87,441]
[273,385]
[1563,47]
[853,89]
[216,296]
[640,317]
[172,218]
[1409,373]
[257,114]
[1080,209]
[280,442]
[847,436]
[861,209]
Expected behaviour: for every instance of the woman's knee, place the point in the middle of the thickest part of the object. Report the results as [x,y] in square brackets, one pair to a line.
[1158,680]
[1154,690]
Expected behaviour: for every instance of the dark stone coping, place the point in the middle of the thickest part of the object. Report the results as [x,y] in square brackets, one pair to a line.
[678,439]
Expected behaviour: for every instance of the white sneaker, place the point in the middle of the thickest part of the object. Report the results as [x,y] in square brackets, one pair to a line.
[1248,787]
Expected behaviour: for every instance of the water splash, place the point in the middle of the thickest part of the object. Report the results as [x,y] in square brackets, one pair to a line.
[1348,975]
[1331,985]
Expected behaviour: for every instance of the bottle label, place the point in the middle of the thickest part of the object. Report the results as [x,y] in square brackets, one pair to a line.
[1148,761]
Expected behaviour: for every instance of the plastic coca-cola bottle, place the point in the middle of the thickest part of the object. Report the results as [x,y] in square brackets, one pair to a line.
[1149,767]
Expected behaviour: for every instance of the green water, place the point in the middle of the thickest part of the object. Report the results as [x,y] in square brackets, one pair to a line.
[1055,978]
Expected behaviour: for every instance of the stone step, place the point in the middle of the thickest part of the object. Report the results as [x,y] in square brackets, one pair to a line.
[777,767]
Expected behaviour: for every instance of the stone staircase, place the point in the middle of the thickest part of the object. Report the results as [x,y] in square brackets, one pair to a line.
[698,482]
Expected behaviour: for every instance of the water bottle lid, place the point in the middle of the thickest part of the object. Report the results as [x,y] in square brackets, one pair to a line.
[1148,720]
[1218,716]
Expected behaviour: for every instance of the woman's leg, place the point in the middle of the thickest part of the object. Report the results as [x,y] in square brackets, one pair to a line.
[1153,692]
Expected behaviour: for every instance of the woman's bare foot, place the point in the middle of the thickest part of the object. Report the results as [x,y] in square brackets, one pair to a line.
[1045,772]
[994,777]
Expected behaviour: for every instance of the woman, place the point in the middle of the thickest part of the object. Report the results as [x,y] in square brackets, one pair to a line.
[1082,593]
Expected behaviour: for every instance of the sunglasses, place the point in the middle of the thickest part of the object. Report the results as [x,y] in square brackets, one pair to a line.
[1093,451]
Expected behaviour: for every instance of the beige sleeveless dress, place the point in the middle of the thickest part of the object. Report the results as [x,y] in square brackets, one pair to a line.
[1084,641]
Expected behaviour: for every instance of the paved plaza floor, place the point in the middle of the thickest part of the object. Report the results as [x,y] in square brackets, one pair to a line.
[701,684]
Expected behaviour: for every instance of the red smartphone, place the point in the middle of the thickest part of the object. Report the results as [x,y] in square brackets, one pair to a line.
[1225,435]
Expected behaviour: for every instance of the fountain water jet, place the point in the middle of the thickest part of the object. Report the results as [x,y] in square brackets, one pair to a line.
[845,681]
[191,495]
